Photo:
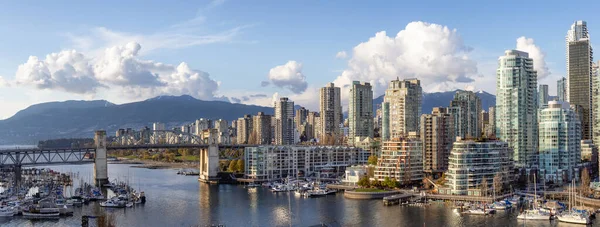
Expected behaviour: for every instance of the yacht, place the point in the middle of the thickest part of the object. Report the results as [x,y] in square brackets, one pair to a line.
[478,211]
[7,211]
[37,212]
[115,203]
[501,205]
[572,216]
[534,214]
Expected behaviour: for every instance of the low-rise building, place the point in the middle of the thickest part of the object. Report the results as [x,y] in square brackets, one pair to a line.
[401,160]
[266,163]
[354,173]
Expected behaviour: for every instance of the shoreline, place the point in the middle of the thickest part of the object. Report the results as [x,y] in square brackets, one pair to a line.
[149,164]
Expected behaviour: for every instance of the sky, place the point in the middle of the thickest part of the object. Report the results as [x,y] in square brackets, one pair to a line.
[254,52]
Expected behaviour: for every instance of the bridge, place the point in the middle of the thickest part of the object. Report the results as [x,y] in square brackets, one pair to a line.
[147,139]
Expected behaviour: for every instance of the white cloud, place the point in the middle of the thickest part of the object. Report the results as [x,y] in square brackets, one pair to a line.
[431,52]
[341,55]
[536,53]
[118,68]
[4,82]
[288,76]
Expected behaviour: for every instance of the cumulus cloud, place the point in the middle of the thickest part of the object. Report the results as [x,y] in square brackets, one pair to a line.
[431,52]
[288,76]
[341,55]
[118,67]
[4,82]
[535,53]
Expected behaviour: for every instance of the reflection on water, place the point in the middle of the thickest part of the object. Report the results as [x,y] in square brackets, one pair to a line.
[175,200]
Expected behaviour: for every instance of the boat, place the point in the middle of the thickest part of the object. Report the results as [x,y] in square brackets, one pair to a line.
[478,211]
[35,212]
[573,216]
[7,211]
[534,213]
[113,203]
[501,205]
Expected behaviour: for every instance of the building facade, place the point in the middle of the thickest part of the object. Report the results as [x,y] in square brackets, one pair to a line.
[561,89]
[516,106]
[437,134]
[360,111]
[559,138]
[284,122]
[472,161]
[330,111]
[579,75]
[401,160]
[244,129]
[261,129]
[402,108]
[465,109]
[542,95]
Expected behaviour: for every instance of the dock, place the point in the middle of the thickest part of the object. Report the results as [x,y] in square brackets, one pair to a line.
[342,187]
[396,199]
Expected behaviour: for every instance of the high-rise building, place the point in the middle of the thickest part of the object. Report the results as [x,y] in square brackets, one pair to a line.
[401,159]
[262,129]
[310,129]
[300,117]
[244,129]
[157,126]
[516,106]
[561,89]
[491,130]
[360,112]
[201,125]
[596,103]
[579,75]
[542,95]
[401,108]
[222,131]
[472,161]
[437,134]
[484,120]
[465,109]
[330,111]
[559,138]
[284,122]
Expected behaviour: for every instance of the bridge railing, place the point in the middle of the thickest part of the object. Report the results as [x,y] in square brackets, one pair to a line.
[24,157]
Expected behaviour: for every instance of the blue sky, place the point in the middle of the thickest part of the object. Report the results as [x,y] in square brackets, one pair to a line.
[230,47]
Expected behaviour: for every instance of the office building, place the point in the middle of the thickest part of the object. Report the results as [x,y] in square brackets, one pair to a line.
[559,139]
[472,161]
[542,95]
[465,109]
[516,107]
[401,108]
[284,122]
[437,134]
[331,115]
[360,112]
[401,159]
[579,75]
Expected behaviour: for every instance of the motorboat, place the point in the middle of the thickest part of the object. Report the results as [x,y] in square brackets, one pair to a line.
[7,211]
[36,212]
[534,214]
[114,203]
[478,211]
[501,205]
[573,217]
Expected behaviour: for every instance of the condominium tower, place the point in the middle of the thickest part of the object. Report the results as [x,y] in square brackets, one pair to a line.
[401,160]
[542,95]
[360,111]
[516,106]
[466,108]
[561,89]
[579,75]
[330,111]
[401,108]
[437,134]
[284,122]
[261,129]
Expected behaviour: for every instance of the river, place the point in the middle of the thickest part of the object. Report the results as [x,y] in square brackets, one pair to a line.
[174,200]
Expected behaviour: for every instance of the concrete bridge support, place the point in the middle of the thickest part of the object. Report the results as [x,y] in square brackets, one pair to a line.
[209,161]
[100,164]
[18,172]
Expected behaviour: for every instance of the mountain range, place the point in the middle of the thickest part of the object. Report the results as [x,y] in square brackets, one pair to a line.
[79,119]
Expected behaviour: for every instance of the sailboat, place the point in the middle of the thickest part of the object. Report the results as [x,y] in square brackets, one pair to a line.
[534,213]
[572,216]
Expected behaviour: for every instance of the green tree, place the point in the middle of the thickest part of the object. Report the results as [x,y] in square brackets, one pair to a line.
[441,180]
[371,171]
[376,183]
[232,165]
[239,166]
[427,182]
[388,183]
[364,182]
[372,160]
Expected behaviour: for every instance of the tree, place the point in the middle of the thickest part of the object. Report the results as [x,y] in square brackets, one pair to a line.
[441,180]
[427,182]
[364,182]
[484,186]
[585,181]
[498,182]
[239,166]
[376,183]
[372,160]
[232,165]
[371,171]
[389,183]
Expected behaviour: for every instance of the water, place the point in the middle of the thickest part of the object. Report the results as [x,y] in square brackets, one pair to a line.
[175,200]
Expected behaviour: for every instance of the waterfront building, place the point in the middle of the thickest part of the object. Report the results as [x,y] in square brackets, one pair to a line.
[465,109]
[473,160]
[401,159]
[360,112]
[561,89]
[559,142]
[331,115]
[401,108]
[261,133]
[516,106]
[267,163]
[542,95]
[437,134]
[244,129]
[579,75]
[354,173]
[157,126]
[284,122]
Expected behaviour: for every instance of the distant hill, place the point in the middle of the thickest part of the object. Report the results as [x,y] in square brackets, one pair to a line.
[79,119]
[435,99]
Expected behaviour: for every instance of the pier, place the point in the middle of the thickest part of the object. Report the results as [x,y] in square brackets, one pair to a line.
[396,199]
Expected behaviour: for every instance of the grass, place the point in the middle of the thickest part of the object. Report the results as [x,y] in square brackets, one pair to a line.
[370,190]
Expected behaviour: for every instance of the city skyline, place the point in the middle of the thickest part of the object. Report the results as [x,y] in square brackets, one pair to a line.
[210,36]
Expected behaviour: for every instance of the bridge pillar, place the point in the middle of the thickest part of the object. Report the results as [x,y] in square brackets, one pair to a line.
[209,162]
[100,164]
[18,172]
